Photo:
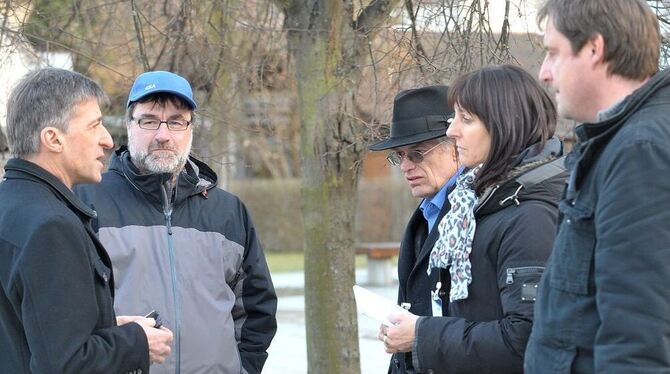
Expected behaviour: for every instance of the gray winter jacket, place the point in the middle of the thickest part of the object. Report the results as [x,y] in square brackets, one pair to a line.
[191,254]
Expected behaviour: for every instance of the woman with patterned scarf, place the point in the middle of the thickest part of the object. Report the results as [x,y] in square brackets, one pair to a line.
[498,234]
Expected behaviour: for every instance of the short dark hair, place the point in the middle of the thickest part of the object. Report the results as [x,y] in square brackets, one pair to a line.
[43,98]
[516,111]
[629,28]
[161,99]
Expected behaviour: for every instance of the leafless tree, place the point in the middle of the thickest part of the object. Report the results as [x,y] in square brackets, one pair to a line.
[297,87]
[338,62]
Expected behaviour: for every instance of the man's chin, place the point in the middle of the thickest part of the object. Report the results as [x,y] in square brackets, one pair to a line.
[161,165]
[89,179]
[420,193]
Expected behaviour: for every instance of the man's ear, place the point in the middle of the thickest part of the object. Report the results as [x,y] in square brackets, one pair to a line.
[595,47]
[51,139]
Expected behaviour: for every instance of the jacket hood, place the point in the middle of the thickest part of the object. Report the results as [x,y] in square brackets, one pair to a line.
[196,178]
[539,174]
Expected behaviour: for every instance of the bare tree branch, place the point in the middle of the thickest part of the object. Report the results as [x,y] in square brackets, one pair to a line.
[373,15]
[139,35]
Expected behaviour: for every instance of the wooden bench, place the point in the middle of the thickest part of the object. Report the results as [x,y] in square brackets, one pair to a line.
[381,268]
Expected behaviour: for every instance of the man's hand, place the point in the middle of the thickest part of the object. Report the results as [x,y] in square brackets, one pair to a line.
[159,340]
[400,336]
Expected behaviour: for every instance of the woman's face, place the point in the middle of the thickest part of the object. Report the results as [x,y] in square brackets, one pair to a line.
[473,141]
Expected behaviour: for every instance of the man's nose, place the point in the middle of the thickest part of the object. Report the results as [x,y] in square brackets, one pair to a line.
[545,73]
[406,164]
[163,133]
[106,140]
[452,130]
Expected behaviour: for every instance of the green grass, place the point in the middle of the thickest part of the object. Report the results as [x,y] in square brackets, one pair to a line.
[281,262]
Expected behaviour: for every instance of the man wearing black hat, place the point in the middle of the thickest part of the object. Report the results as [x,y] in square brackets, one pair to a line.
[428,162]
[179,244]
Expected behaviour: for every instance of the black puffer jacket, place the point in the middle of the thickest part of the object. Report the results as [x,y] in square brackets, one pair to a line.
[516,225]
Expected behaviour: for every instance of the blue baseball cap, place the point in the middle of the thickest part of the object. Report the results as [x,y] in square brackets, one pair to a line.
[153,82]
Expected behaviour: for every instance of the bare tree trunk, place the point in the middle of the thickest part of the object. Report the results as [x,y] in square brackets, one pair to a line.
[328,153]
[327,46]
[217,43]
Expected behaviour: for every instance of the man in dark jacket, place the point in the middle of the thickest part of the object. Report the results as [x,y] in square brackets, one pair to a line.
[56,283]
[179,244]
[604,303]
[428,163]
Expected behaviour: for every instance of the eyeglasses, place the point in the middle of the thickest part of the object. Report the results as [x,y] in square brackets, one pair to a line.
[155,124]
[395,158]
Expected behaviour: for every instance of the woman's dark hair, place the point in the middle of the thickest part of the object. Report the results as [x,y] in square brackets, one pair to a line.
[516,111]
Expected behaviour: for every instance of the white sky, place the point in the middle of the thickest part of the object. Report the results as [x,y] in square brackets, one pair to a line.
[522,15]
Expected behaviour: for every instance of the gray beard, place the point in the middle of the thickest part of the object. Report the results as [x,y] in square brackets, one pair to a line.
[157,164]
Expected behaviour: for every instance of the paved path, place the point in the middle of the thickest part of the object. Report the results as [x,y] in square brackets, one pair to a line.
[288,352]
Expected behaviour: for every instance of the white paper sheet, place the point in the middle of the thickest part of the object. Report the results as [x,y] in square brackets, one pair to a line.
[375,306]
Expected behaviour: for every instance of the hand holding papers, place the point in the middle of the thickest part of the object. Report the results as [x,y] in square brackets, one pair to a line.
[376,306]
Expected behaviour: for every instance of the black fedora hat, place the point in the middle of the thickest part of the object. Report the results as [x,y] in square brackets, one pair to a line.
[419,114]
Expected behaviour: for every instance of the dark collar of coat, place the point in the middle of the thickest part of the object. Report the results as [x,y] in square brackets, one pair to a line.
[19,168]
[594,137]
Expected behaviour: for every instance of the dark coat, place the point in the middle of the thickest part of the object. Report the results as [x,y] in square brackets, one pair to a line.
[199,253]
[488,331]
[414,285]
[604,302]
[56,312]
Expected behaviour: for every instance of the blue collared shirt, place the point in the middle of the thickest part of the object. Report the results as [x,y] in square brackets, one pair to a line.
[430,207]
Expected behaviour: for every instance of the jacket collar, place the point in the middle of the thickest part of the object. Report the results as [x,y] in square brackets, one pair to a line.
[196,178]
[20,168]
[593,137]
[538,175]
[624,109]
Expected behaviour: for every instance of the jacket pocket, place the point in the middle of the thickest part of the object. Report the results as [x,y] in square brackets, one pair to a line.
[529,279]
[102,275]
[237,277]
[545,358]
[572,255]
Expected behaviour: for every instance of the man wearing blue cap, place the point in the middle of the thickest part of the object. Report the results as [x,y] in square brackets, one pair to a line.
[180,245]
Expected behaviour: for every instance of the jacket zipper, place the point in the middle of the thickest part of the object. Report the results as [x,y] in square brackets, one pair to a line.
[486,199]
[524,270]
[167,212]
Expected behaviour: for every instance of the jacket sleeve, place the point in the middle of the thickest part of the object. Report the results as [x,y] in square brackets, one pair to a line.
[458,345]
[60,309]
[255,305]
[632,253]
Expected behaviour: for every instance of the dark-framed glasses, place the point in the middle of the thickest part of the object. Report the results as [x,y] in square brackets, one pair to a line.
[395,158]
[155,124]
